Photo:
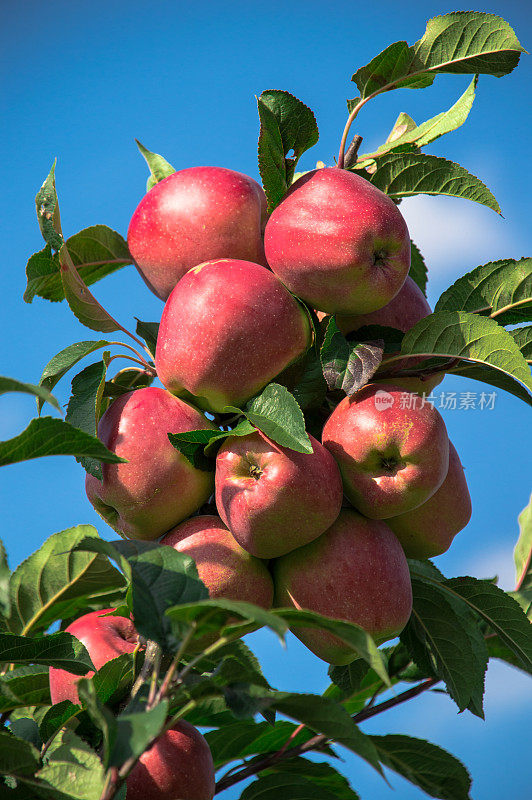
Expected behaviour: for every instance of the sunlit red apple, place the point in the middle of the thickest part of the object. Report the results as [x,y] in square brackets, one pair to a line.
[196,215]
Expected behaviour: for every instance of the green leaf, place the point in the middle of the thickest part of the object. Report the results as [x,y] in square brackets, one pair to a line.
[469,337]
[246,738]
[25,686]
[274,785]
[160,578]
[136,726]
[320,774]
[503,615]
[434,770]
[101,716]
[523,551]
[479,372]
[212,615]
[159,166]
[57,582]
[96,251]
[443,640]
[408,174]
[56,717]
[47,436]
[408,133]
[418,268]
[61,650]
[81,301]
[347,366]
[361,642]
[325,716]
[84,406]
[285,124]
[502,289]
[72,771]
[12,385]
[523,338]
[17,756]
[27,729]
[200,446]
[464,42]
[48,211]
[65,360]
[276,413]
[149,332]
[115,678]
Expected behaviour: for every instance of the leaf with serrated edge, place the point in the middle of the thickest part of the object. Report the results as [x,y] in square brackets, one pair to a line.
[501,288]
[48,211]
[84,406]
[429,131]
[24,686]
[274,785]
[17,757]
[72,771]
[348,365]
[321,774]
[47,436]
[418,268]
[82,302]
[246,738]
[523,338]
[362,643]
[465,42]
[408,174]
[159,167]
[276,413]
[434,770]
[60,650]
[40,392]
[49,580]
[468,337]
[65,360]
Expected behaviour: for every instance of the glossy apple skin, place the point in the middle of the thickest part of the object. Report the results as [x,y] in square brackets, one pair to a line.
[403,312]
[196,215]
[178,766]
[356,571]
[158,487]
[105,638]
[429,530]
[393,458]
[272,498]
[338,242]
[227,329]
[225,568]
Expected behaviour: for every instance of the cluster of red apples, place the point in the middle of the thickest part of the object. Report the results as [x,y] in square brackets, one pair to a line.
[330,530]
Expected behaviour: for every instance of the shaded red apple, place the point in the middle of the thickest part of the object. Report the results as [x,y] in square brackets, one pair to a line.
[178,766]
[195,215]
[225,568]
[356,571]
[429,529]
[275,499]
[338,242]
[158,487]
[105,638]
[403,312]
[392,449]
[227,329]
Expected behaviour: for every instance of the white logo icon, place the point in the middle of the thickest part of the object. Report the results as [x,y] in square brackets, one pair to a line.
[383,400]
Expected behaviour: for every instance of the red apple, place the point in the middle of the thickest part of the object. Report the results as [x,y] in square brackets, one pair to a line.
[338,242]
[178,766]
[227,329]
[403,312]
[105,638]
[392,449]
[428,530]
[274,499]
[192,216]
[356,571]
[224,567]
[158,487]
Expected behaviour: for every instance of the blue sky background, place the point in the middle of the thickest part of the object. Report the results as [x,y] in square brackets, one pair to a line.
[79,81]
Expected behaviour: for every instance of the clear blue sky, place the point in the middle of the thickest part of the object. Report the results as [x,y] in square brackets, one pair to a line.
[79,81]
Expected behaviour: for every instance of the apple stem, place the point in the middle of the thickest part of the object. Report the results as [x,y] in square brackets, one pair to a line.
[352,151]
[350,120]
[152,653]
